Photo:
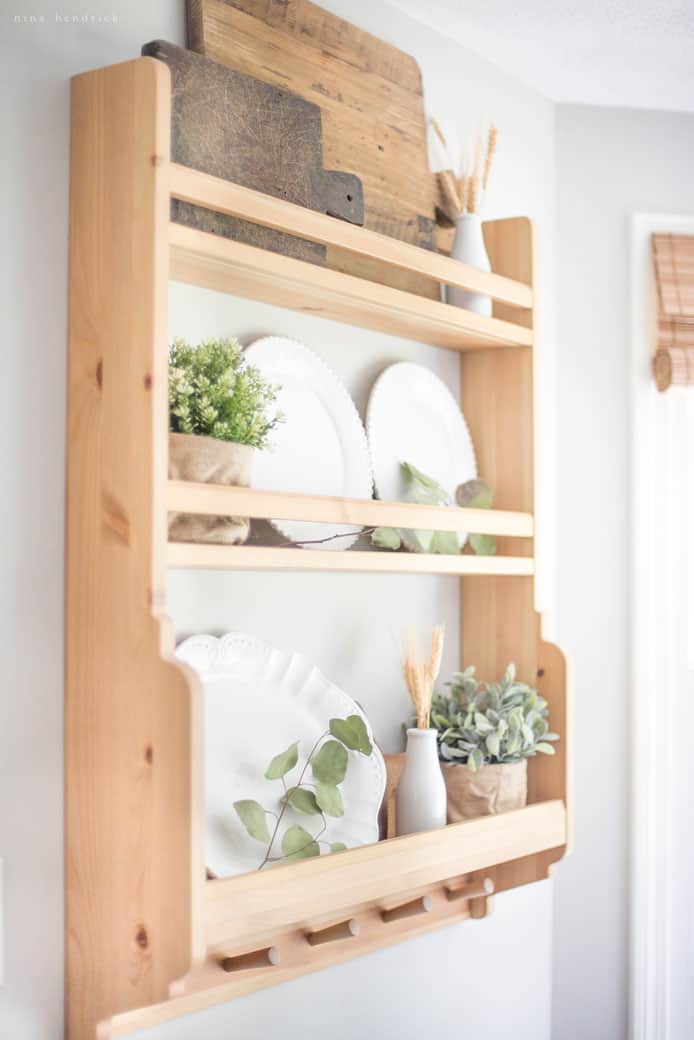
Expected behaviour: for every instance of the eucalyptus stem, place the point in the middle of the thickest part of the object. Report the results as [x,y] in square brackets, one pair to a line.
[275,859]
[278,859]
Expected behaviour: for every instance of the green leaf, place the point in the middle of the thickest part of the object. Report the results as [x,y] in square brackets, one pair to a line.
[482,723]
[445,543]
[252,816]
[422,488]
[299,844]
[353,733]
[544,749]
[303,800]
[386,538]
[475,760]
[330,764]
[329,799]
[474,494]
[338,846]
[281,764]
[482,544]
[493,742]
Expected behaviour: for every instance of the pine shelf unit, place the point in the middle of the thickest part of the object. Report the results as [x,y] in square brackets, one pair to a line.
[148,936]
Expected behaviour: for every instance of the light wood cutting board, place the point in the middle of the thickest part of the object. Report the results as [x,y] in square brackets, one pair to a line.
[370,95]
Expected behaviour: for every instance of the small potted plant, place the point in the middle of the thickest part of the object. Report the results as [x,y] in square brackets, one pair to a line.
[486,733]
[219,412]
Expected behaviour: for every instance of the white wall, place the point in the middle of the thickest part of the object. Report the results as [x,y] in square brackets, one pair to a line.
[491,976]
[610,163]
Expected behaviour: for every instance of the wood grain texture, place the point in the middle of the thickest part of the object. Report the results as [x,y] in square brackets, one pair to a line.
[203,190]
[208,986]
[387,874]
[281,906]
[213,499]
[130,717]
[242,270]
[185,555]
[241,129]
[370,94]
[498,618]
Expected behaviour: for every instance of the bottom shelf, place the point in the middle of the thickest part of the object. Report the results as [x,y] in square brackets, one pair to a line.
[441,873]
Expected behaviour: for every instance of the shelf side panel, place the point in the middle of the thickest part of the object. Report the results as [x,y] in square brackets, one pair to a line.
[498,617]
[131,716]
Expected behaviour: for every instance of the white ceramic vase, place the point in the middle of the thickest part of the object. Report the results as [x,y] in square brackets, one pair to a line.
[420,801]
[469,248]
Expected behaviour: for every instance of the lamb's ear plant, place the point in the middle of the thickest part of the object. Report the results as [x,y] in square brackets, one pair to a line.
[424,490]
[320,796]
[479,723]
[475,494]
[214,392]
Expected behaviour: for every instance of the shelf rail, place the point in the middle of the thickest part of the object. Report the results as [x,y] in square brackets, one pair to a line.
[218,500]
[187,555]
[222,196]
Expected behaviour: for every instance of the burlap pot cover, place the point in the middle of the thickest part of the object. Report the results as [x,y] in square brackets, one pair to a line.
[495,788]
[207,460]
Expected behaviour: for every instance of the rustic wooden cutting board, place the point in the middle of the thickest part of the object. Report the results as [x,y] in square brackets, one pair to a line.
[231,125]
[370,95]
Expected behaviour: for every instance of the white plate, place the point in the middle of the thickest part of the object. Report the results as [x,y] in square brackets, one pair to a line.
[258,701]
[413,417]
[321,447]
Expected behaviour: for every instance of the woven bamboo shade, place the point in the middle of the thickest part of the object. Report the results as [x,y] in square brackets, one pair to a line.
[673,363]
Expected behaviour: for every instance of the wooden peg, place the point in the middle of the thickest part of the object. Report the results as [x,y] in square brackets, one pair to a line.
[411,909]
[472,890]
[343,930]
[255,959]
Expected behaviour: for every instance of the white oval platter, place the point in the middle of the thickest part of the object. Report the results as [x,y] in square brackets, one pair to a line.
[413,417]
[320,448]
[258,701]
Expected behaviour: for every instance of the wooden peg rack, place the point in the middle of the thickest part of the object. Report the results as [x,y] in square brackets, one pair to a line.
[149,937]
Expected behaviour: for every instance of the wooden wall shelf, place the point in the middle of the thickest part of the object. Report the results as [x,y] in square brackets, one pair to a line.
[148,937]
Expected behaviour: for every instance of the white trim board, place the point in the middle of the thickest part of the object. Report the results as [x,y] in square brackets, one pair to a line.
[650,973]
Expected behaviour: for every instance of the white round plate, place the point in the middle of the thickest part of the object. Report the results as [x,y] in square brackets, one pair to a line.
[258,701]
[413,417]
[320,448]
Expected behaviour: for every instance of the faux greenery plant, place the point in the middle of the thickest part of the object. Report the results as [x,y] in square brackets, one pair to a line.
[320,796]
[479,723]
[424,490]
[213,392]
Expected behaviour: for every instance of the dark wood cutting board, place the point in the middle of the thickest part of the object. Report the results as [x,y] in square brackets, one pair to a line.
[370,95]
[236,127]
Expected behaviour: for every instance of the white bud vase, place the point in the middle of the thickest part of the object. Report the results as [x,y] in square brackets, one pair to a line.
[469,248]
[420,800]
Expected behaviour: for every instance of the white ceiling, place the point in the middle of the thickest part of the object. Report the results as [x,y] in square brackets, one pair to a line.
[630,53]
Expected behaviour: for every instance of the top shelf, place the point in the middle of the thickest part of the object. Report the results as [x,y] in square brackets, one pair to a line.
[224,265]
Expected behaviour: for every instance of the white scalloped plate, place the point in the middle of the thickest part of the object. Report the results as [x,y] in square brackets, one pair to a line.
[320,448]
[413,417]
[258,701]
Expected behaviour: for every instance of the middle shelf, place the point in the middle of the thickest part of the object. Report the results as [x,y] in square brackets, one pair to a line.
[212,499]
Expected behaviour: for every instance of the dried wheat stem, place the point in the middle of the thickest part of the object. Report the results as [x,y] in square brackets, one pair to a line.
[492,135]
[421,677]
